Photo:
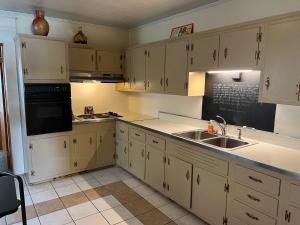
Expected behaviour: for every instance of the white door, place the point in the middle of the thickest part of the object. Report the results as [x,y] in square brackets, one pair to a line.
[137,159]
[239,49]
[294,218]
[155,168]
[176,67]
[155,68]
[209,196]
[82,59]
[122,154]
[44,59]
[110,62]
[204,53]
[106,144]
[282,52]
[50,157]
[84,151]
[179,180]
[138,69]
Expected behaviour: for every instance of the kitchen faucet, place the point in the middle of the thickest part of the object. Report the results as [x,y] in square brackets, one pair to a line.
[223,126]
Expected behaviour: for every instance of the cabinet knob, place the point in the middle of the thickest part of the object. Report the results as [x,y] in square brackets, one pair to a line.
[215,55]
[125,150]
[148,155]
[61,70]
[142,153]
[298,91]
[65,144]
[267,83]
[253,198]
[167,82]
[255,179]
[252,216]
[161,82]
[198,179]
[187,175]
[225,53]
[91,140]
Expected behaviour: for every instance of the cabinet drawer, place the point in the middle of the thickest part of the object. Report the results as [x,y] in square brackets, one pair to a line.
[257,180]
[137,135]
[251,216]
[256,199]
[156,142]
[294,195]
[122,131]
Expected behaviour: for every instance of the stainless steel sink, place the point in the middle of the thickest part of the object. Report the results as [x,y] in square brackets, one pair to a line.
[196,135]
[226,142]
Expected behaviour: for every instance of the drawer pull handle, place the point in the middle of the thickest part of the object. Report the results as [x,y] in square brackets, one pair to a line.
[148,155]
[125,150]
[138,135]
[255,179]
[188,175]
[253,198]
[198,179]
[122,131]
[252,217]
[155,142]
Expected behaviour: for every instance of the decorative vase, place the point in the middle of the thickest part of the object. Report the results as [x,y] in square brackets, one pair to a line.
[80,37]
[40,26]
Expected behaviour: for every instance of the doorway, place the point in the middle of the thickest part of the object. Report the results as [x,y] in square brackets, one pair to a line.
[5,141]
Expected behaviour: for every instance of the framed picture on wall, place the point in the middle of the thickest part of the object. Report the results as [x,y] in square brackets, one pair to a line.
[182,30]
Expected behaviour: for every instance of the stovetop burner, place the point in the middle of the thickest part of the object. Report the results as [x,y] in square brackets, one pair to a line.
[98,116]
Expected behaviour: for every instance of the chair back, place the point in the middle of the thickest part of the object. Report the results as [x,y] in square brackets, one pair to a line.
[8,195]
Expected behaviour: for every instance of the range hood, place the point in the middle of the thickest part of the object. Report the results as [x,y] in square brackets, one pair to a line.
[96,77]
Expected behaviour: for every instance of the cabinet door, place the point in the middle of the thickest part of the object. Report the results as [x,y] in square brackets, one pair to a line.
[238,49]
[127,72]
[282,53]
[176,67]
[155,68]
[106,144]
[209,197]
[294,216]
[155,168]
[138,69]
[179,180]
[44,59]
[84,151]
[137,159]
[82,59]
[50,157]
[204,54]
[122,154]
[110,62]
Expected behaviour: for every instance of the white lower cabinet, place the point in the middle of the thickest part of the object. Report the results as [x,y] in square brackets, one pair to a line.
[293,216]
[122,154]
[179,180]
[137,158]
[49,157]
[209,196]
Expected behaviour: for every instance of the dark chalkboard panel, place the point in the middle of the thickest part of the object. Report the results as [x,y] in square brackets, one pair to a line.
[237,101]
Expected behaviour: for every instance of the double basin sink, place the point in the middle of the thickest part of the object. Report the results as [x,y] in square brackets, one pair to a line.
[213,140]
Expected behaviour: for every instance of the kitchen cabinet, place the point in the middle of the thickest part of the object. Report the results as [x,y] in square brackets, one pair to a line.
[292,216]
[43,60]
[176,67]
[125,86]
[106,148]
[178,180]
[239,49]
[138,72]
[281,72]
[155,68]
[122,154]
[209,196]
[110,62]
[84,149]
[48,158]
[82,59]
[204,53]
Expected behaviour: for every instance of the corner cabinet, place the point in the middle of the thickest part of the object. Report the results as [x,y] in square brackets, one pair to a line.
[44,60]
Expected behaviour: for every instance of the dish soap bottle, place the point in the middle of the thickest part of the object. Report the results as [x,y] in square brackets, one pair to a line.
[211,128]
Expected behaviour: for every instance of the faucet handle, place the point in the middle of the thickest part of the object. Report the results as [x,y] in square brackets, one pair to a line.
[240,132]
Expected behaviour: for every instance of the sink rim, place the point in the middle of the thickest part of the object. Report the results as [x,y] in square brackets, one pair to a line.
[247,143]
[177,134]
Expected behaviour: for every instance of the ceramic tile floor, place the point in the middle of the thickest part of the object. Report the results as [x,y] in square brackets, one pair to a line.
[103,197]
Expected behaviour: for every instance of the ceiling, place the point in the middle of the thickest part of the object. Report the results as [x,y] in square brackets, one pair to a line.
[121,13]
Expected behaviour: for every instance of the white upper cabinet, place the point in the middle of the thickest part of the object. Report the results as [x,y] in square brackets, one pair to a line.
[204,53]
[82,59]
[110,62]
[239,49]
[43,60]
[176,67]
[155,68]
[281,76]
[138,62]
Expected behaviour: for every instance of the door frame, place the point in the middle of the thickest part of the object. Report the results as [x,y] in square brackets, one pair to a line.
[4,117]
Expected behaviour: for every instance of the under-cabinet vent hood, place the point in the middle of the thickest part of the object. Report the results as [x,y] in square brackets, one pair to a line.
[96,77]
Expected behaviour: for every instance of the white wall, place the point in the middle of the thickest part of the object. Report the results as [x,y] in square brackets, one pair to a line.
[227,12]
[101,96]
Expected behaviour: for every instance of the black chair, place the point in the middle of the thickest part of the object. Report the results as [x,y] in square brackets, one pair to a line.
[9,203]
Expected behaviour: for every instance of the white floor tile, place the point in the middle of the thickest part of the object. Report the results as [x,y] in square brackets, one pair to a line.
[28,200]
[117,215]
[44,196]
[157,200]
[96,219]
[106,202]
[132,182]
[82,177]
[2,221]
[133,221]
[67,190]
[190,219]
[62,182]
[82,210]
[26,192]
[70,223]
[34,221]
[143,190]
[108,179]
[123,175]
[173,211]
[56,218]
[33,189]
[88,184]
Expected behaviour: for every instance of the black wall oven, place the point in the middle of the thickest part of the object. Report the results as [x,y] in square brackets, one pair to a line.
[48,108]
